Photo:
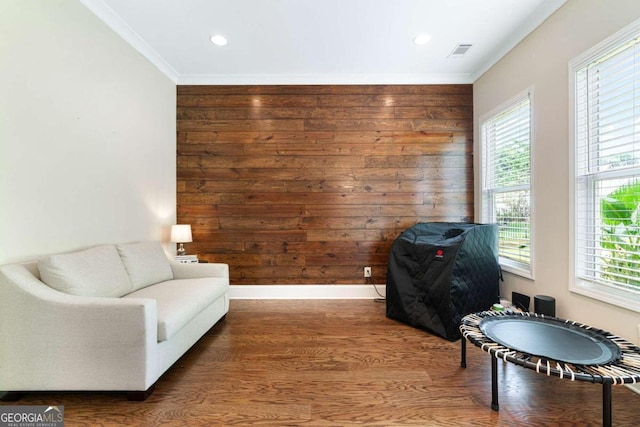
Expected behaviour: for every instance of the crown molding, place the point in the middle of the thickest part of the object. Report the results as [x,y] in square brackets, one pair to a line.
[321,79]
[113,21]
[542,12]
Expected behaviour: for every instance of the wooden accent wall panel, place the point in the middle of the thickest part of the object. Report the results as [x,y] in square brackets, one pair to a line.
[309,184]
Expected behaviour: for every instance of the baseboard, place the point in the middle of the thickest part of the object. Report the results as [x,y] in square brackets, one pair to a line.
[306,291]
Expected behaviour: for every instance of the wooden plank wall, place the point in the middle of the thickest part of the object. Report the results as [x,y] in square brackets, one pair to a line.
[309,184]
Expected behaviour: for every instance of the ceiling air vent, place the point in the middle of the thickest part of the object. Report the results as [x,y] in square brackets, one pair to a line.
[460,50]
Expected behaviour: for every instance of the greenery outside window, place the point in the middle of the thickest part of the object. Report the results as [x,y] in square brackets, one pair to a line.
[506,181]
[605,91]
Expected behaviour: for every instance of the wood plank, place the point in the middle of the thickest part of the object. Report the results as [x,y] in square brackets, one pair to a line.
[272,162]
[319,247]
[420,161]
[257,260]
[433,112]
[304,163]
[335,198]
[356,223]
[350,259]
[303,199]
[247,101]
[429,213]
[320,148]
[396,100]
[359,125]
[230,113]
[218,247]
[240,125]
[428,125]
[197,137]
[249,235]
[321,274]
[288,174]
[257,222]
[319,185]
[344,136]
[352,234]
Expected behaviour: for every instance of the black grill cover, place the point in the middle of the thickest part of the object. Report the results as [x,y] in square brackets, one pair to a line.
[440,272]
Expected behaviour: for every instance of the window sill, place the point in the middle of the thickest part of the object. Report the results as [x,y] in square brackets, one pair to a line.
[612,296]
[519,269]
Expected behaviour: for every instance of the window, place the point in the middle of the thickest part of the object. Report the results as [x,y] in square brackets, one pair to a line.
[506,181]
[605,86]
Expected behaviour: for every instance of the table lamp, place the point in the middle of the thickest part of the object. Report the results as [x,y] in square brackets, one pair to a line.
[181,233]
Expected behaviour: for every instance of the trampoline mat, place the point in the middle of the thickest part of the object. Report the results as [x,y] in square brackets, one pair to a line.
[550,338]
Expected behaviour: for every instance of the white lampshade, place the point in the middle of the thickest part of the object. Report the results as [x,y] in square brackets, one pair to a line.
[181,233]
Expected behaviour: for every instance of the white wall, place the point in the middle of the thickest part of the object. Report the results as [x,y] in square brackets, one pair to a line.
[541,61]
[87,134]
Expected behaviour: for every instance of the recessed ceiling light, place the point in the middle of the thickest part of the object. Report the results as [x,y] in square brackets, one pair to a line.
[218,40]
[421,39]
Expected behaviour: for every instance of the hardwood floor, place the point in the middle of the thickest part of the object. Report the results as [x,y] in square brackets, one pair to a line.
[337,363]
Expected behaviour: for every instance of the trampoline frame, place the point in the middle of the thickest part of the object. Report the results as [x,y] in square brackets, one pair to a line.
[624,370]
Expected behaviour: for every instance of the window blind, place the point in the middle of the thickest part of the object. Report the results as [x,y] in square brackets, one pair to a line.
[507,147]
[607,150]
[506,140]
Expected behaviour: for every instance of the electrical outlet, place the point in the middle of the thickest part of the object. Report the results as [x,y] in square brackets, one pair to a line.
[367,272]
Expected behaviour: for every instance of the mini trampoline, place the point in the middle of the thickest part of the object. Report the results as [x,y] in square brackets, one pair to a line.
[554,347]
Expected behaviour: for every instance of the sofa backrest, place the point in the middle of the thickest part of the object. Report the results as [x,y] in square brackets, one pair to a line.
[107,270]
[94,272]
[146,263]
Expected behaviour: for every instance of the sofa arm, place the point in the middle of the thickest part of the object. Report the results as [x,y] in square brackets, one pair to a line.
[198,270]
[55,341]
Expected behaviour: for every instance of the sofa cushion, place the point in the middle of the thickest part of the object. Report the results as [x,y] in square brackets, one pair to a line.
[94,272]
[179,301]
[146,263]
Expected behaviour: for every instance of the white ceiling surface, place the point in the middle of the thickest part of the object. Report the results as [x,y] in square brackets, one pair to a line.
[322,41]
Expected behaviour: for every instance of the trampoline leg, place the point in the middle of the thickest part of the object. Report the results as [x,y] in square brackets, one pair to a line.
[606,404]
[463,352]
[494,383]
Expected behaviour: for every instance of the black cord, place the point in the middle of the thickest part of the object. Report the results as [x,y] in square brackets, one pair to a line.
[382,298]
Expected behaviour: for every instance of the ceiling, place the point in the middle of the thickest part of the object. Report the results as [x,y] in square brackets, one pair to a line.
[322,41]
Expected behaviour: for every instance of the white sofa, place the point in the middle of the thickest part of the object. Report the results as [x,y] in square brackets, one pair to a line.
[112,317]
